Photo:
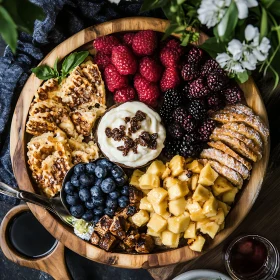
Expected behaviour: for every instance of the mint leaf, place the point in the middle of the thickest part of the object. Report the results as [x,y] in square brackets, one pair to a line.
[242,77]
[44,72]
[152,4]
[213,47]
[55,68]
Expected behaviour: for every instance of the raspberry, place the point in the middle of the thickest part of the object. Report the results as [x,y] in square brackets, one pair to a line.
[189,72]
[206,129]
[150,69]
[197,109]
[128,38]
[233,94]
[181,116]
[214,102]
[172,98]
[195,56]
[175,131]
[144,42]
[124,60]
[113,79]
[147,92]
[209,67]
[217,81]
[169,57]
[105,44]
[170,79]
[175,44]
[198,88]
[102,60]
[124,94]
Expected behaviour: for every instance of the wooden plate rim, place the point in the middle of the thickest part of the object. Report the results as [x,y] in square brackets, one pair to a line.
[64,233]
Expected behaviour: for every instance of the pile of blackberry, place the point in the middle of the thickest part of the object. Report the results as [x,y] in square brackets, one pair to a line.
[185,110]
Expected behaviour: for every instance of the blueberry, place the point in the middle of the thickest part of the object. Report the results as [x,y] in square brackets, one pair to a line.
[131,210]
[96,191]
[75,180]
[98,210]
[89,204]
[123,201]
[110,212]
[114,195]
[125,191]
[69,188]
[108,185]
[116,171]
[98,182]
[79,169]
[100,171]
[111,203]
[88,216]
[84,194]
[73,199]
[104,162]
[90,167]
[84,180]
[98,201]
[77,211]
[96,219]
[120,181]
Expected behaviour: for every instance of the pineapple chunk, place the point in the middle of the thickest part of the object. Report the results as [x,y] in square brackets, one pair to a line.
[160,208]
[193,206]
[219,218]
[158,241]
[210,207]
[166,173]
[223,206]
[188,160]
[153,233]
[198,244]
[166,215]
[149,181]
[197,216]
[195,166]
[221,185]
[178,224]
[170,181]
[157,223]
[156,168]
[207,176]
[222,226]
[210,228]
[229,196]
[146,205]
[145,191]
[177,207]
[157,195]
[178,190]
[194,181]
[201,194]
[140,218]
[184,176]
[177,165]
[170,239]
[134,180]
[201,223]
[190,231]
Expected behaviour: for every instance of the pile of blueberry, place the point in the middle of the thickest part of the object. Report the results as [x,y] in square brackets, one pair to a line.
[96,189]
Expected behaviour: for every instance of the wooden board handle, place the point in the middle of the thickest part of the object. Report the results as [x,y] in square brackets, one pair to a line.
[54,263]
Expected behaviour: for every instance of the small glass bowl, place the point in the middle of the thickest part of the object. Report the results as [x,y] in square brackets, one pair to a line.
[270,266]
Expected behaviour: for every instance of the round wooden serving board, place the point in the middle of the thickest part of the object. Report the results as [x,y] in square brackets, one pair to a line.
[64,234]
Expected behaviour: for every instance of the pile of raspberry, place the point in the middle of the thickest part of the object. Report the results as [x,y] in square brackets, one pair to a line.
[137,66]
[185,108]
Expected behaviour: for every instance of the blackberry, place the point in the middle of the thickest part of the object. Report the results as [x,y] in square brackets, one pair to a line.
[172,98]
[197,109]
[217,81]
[175,131]
[189,72]
[209,67]
[190,150]
[172,148]
[195,56]
[206,129]
[233,94]
[188,124]
[180,114]
[198,89]
[190,138]
[214,102]
[166,113]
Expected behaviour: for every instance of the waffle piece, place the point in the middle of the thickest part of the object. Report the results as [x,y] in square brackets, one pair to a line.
[236,145]
[84,85]
[119,227]
[103,225]
[224,148]
[233,176]
[253,121]
[85,116]
[246,131]
[49,90]
[145,244]
[226,160]
[39,125]
[239,109]
[250,144]
[107,242]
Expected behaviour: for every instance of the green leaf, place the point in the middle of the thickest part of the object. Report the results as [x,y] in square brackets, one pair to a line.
[55,68]
[267,3]
[275,8]
[8,29]
[264,24]
[180,2]
[213,47]
[242,77]
[152,4]
[73,60]
[170,29]
[227,25]
[185,39]
[44,72]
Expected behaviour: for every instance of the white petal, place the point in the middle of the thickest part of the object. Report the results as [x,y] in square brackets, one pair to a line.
[252,3]
[237,67]
[248,65]
[242,9]
[264,45]
[222,28]
[259,55]
[251,32]
[235,48]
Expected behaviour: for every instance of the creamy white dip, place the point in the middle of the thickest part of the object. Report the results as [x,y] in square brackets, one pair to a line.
[114,118]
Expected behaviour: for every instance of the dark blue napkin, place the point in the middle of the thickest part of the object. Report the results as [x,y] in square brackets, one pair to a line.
[63,19]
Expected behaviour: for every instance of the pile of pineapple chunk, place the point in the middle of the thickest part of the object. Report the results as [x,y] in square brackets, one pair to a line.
[182,198]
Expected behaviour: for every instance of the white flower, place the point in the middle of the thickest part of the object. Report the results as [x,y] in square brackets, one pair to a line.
[228,63]
[264,46]
[211,12]
[251,32]
[249,61]
[243,5]
[235,47]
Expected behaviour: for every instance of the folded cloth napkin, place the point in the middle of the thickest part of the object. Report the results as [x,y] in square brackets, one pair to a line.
[63,19]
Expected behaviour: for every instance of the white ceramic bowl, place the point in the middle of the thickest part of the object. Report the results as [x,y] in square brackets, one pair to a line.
[202,274]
